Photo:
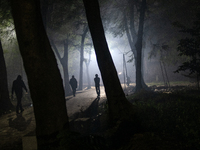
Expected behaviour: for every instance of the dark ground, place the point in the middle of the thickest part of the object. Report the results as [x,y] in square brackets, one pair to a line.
[82,111]
[87,117]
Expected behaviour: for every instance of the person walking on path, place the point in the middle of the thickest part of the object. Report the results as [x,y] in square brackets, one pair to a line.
[17,87]
[97,83]
[73,83]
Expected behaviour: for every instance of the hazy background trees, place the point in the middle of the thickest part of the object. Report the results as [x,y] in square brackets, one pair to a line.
[158,32]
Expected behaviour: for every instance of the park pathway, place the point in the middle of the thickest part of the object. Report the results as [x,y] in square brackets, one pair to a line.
[82,100]
[13,128]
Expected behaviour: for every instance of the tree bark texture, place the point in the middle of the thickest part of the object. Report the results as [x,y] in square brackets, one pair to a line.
[43,75]
[118,105]
[87,64]
[82,57]
[65,68]
[138,46]
[133,39]
[64,63]
[5,103]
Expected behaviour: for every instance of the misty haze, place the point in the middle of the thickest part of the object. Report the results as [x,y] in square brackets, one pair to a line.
[99,74]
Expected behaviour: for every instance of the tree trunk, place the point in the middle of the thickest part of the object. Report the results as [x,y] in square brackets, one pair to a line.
[118,105]
[88,75]
[138,46]
[82,58]
[64,63]
[133,42]
[65,68]
[87,63]
[43,75]
[5,103]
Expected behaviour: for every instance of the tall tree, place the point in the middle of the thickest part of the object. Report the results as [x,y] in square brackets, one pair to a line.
[43,75]
[129,19]
[70,16]
[138,46]
[47,9]
[64,63]
[118,105]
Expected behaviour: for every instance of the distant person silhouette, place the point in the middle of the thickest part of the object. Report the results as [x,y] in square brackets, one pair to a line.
[97,83]
[17,87]
[73,83]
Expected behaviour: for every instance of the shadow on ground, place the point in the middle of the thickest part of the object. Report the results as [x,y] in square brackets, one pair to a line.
[87,122]
[19,123]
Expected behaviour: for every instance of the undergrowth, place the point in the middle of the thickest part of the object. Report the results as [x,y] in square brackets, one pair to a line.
[175,116]
[167,121]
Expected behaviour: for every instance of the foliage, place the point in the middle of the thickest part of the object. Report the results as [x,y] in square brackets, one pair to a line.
[6,21]
[163,32]
[5,12]
[65,13]
[190,46]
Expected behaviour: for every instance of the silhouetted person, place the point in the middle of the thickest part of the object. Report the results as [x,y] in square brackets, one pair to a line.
[73,83]
[17,87]
[97,83]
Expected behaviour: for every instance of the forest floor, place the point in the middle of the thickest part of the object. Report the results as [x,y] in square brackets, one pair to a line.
[88,117]
[13,127]
[167,118]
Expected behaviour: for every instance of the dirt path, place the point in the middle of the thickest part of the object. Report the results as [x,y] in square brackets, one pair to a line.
[14,127]
[82,100]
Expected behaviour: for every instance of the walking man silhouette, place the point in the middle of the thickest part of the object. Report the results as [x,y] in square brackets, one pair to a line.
[17,87]
[97,83]
[73,83]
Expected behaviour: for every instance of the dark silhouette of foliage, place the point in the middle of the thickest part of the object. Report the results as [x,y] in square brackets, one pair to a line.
[190,46]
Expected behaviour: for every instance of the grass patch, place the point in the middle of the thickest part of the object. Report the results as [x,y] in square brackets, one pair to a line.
[171,83]
[174,117]
[163,121]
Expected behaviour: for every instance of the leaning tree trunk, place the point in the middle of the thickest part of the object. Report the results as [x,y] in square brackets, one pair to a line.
[5,103]
[64,63]
[118,105]
[43,75]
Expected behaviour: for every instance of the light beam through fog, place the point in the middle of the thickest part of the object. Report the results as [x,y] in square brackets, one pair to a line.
[117,47]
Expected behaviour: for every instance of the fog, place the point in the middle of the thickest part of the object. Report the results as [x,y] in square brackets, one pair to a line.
[118,46]
[158,33]
[152,71]
[117,49]
[87,118]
